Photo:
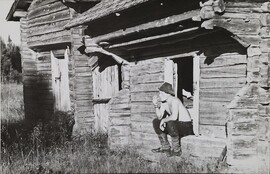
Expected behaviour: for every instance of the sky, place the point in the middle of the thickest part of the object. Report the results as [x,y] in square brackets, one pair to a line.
[8,28]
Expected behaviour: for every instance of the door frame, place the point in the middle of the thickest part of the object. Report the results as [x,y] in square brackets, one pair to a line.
[171,77]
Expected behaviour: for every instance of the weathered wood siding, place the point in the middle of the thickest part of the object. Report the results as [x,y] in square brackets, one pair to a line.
[145,78]
[46,20]
[222,74]
[83,85]
[29,70]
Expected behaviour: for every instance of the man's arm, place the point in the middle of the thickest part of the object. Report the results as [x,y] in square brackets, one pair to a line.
[174,114]
[160,112]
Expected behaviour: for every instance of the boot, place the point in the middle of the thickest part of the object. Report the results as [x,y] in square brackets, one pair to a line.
[176,148]
[165,145]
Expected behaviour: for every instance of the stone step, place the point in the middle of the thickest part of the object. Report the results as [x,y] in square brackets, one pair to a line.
[203,147]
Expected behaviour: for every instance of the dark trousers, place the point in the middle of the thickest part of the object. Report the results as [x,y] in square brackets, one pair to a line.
[174,128]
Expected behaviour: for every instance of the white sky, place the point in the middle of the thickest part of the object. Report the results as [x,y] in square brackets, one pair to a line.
[8,28]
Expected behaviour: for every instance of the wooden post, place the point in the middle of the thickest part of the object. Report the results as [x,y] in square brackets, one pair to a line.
[196,87]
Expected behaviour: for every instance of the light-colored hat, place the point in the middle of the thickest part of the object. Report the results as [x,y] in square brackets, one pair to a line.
[167,88]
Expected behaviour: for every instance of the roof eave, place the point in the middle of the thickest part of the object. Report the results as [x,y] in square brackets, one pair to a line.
[17,5]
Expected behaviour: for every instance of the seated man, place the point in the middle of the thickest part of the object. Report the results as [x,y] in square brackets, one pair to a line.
[172,118]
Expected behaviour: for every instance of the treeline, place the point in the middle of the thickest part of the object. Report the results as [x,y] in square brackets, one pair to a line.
[11,68]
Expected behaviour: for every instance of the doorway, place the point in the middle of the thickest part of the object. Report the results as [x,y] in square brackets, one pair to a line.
[184,73]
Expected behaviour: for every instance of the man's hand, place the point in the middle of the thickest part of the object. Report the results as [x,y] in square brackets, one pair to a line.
[156,101]
[162,125]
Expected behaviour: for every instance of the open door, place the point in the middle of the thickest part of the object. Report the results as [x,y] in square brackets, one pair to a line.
[60,81]
[183,73]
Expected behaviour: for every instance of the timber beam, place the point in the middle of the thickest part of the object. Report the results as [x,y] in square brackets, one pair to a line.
[147,26]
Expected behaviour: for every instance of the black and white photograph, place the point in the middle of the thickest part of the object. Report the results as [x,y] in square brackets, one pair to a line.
[135,86]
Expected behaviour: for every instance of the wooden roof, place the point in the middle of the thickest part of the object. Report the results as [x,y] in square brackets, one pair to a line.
[102,9]
[20,6]
[75,1]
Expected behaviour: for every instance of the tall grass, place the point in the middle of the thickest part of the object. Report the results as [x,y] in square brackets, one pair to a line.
[12,107]
[46,148]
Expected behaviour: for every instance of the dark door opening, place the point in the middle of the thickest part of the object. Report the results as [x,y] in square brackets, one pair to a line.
[184,80]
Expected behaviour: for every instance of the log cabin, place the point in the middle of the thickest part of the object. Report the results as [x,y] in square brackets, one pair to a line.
[105,59]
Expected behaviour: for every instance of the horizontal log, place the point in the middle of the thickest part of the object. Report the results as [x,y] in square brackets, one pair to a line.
[84,103]
[221,72]
[119,121]
[140,107]
[19,14]
[148,78]
[39,3]
[142,96]
[46,28]
[213,113]
[218,94]
[150,87]
[165,38]
[50,42]
[46,9]
[143,117]
[147,69]
[237,26]
[56,17]
[223,82]
[223,60]
[49,36]
[117,107]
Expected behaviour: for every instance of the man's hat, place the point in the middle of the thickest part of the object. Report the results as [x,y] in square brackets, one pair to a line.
[167,88]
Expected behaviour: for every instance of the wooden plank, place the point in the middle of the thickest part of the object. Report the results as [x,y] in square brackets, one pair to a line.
[213,113]
[221,72]
[222,60]
[218,94]
[223,82]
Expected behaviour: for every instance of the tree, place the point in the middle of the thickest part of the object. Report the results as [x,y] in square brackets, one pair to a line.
[10,61]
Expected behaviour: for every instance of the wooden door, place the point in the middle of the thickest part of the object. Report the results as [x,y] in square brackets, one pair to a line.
[60,81]
[185,83]
[105,86]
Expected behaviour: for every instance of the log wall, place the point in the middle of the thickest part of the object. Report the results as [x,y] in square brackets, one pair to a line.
[30,78]
[145,78]
[83,86]
[46,21]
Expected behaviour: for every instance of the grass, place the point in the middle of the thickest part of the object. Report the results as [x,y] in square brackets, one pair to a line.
[26,149]
[12,109]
